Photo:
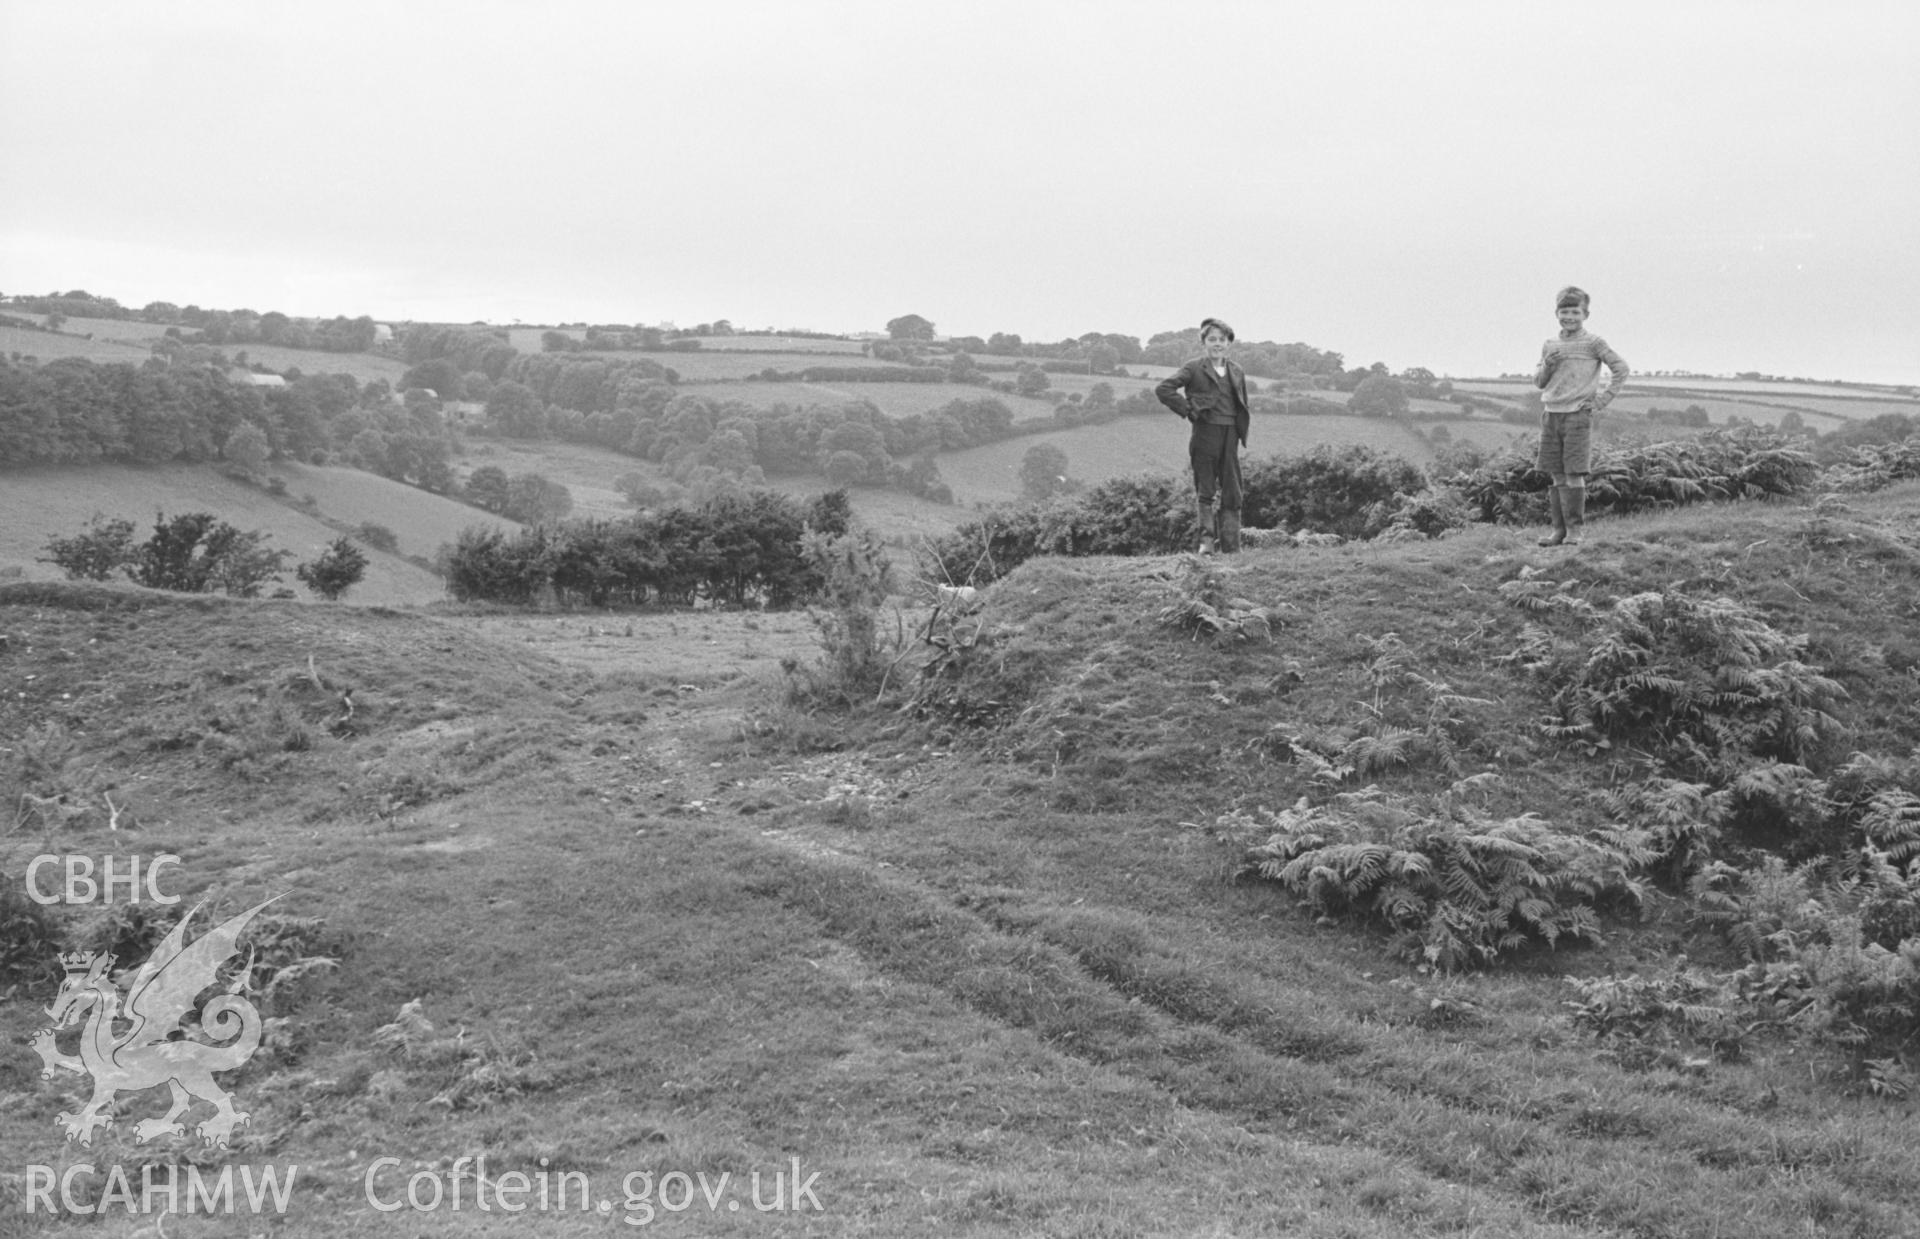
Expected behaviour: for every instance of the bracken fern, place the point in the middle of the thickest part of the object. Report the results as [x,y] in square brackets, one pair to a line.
[1461,889]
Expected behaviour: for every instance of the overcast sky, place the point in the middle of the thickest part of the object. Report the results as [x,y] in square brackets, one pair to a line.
[1737,184]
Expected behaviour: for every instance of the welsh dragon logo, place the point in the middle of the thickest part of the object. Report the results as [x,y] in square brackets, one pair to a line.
[152,1047]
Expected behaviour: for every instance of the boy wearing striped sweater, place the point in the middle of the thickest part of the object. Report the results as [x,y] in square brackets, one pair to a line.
[1571,392]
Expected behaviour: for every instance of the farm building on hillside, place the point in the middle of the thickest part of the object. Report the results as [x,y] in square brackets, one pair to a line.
[382,334]
[250,379]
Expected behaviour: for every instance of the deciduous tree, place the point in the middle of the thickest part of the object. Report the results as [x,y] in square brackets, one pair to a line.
[910,327]
[1043,471]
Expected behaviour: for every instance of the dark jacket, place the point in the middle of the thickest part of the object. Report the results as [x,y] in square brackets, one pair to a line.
[1204,392]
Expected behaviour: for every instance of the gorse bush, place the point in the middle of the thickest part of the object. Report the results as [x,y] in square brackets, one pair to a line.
[856,578]
[1460,888]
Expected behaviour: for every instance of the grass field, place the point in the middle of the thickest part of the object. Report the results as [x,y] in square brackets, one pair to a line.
[128,329]
[1721,411]
[834,352]
[893,399]
[127,341]
[603,904]
[1822,406]
[39,504]
[733,364]
[586,471]
[1781,390]
[1066,384]
[48,346]
[365,367]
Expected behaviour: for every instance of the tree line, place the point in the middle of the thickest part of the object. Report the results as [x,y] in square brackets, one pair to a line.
[193,325]
[75,411]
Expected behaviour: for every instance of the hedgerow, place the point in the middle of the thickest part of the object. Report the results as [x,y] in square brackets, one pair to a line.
[737,550]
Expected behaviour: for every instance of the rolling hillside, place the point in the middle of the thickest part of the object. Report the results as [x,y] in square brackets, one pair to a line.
[599,900]
[38,504]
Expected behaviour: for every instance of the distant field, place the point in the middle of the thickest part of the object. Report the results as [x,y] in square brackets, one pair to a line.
[586,471]
[531,340]
[422,521]
[1484,432]
[1155,444]
[1511,389]
[737,364]
[899,518]
[784,344]
[1753,387]
[1851,410]
[1084,383]
[39,504]
[1822,406]
[117,328]
[119,340]
[1722,410]
[365,367]
[48,346]
[893,399]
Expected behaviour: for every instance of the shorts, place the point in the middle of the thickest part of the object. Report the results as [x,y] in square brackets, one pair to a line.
[1566,441]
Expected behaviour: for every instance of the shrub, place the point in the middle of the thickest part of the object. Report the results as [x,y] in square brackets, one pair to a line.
[856,578]
[738,549]
[1459,888]
[379,537]
[191,553]
[1328,490]
[197,553]
[95,554]
[339,568]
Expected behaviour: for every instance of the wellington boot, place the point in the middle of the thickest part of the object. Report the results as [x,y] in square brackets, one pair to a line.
[1229,531]
[1559,514]
[1573,501]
